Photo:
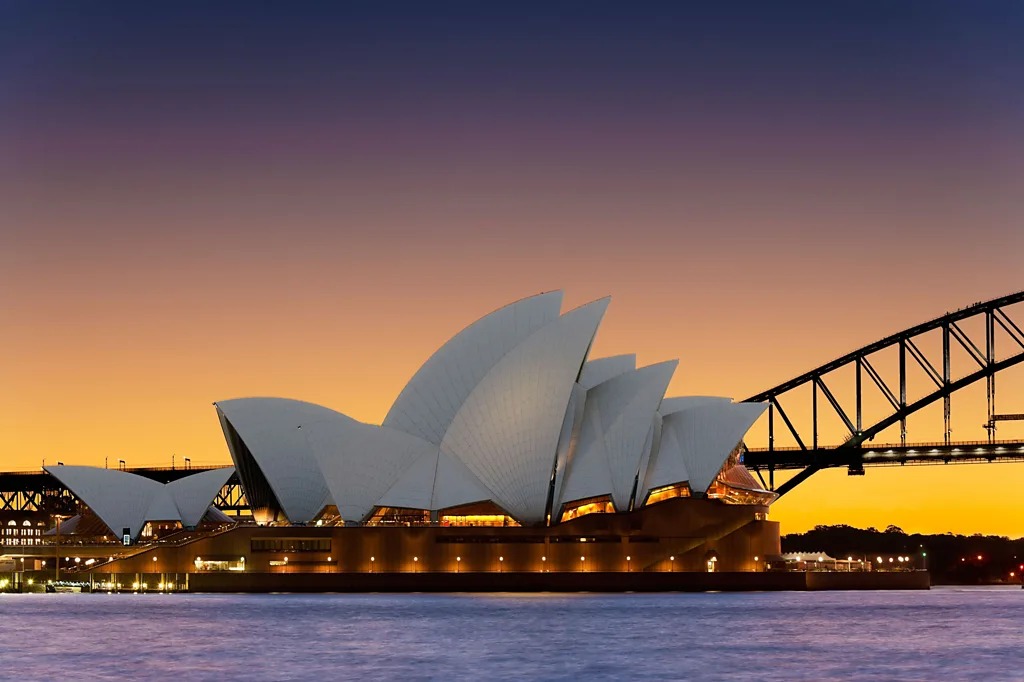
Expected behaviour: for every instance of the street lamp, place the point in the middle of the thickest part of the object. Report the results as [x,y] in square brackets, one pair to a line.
[583,560]
[372,559]
[672,559]
[458,564]
[56,552]
[543,563]
[628,558]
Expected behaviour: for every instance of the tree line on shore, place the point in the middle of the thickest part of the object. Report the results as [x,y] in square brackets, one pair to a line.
[950,558]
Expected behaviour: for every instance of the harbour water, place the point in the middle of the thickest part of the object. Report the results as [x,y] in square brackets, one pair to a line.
[946,633]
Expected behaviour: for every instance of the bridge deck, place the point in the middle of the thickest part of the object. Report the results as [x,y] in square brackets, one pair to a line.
[970,452]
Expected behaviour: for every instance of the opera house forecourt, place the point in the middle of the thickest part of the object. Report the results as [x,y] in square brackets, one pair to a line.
[510,460]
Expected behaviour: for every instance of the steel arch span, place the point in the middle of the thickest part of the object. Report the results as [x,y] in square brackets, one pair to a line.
[890,387]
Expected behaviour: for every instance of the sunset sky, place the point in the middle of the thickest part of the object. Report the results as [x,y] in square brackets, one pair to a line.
[198,204]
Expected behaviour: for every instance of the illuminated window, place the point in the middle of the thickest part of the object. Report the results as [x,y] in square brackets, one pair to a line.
[592,505]
[485,514]
[398,516]
[667,492]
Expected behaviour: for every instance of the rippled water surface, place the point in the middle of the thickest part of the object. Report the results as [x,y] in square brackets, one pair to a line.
[944,634]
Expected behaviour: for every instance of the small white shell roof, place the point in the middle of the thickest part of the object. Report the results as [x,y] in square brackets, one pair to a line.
[193,494]
[430,401]
[120,499]
[707,434]
[271,429]
[125,500]
[616,425]
[680,403]
[601,370]
[507,431]
[665,465]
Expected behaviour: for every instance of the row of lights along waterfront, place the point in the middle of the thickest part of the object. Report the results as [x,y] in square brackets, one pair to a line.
[501,562]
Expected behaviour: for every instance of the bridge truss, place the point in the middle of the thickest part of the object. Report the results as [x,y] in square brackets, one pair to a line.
[959,333]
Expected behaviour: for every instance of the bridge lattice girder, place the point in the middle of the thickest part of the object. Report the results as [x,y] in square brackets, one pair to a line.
[893,389]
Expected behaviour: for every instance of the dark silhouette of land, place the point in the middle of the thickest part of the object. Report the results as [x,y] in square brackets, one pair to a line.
[951,559]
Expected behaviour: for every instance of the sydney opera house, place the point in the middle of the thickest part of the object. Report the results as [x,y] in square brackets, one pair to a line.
[509,450]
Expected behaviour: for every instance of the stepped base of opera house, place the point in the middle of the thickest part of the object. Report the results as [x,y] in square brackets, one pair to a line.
[680,544]
[678,534]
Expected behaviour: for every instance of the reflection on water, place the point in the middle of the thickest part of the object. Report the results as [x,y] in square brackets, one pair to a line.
[947,633]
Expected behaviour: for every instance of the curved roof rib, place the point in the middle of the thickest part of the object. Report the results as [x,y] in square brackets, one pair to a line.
[707,434]
[616,425]
[271,430]
[507,430]
[194,493]
[602,369]
[360,462]
[429,402]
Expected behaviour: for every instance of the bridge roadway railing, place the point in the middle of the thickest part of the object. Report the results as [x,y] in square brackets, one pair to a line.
[966,452]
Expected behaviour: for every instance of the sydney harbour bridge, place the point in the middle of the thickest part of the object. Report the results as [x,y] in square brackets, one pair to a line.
[827,417]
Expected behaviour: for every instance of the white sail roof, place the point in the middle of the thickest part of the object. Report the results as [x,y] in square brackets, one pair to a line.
[507,430]
[271,429]
[599,370]
[192,494]
[429,402]
[360,462]
[616,426]
[162,507]
[707,434]
[437,480]
[120,499]
[568,440]
[680,403]
[664,463]
[125,500]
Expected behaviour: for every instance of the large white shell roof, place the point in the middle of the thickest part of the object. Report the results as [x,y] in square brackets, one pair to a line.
[428,404]
[271,429]
[507,431]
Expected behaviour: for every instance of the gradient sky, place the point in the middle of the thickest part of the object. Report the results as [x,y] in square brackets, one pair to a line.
[277,199]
